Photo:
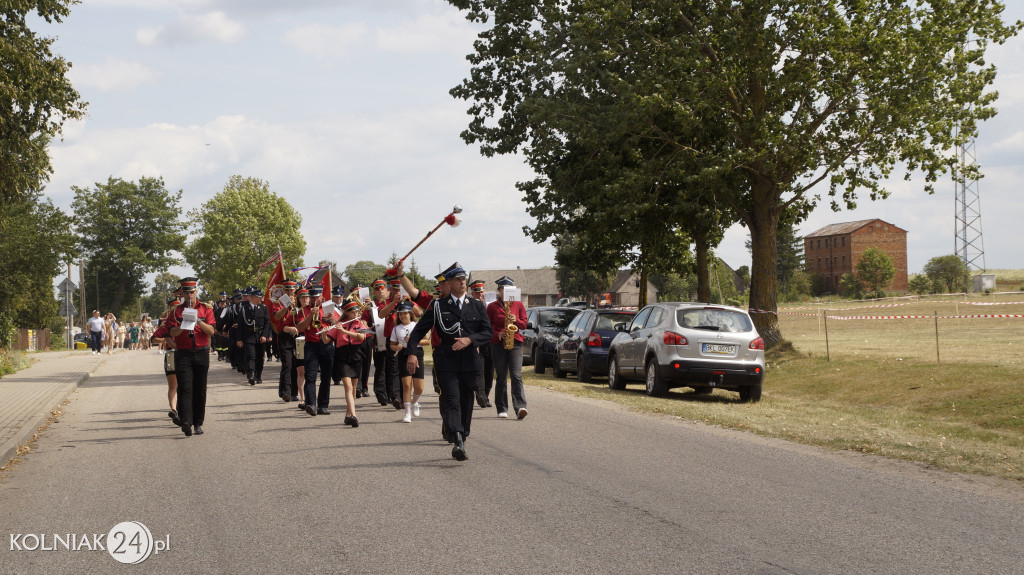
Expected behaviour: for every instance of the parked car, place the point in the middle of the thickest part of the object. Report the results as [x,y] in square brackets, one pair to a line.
[543,326]
[698,345]
[583,348]
[81,338]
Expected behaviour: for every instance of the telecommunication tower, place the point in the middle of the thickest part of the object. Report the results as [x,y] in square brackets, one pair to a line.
[969,245]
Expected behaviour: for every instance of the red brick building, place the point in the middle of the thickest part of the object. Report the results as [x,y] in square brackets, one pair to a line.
[835,249]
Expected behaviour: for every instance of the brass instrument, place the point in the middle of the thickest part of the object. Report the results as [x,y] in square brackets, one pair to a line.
[509,335]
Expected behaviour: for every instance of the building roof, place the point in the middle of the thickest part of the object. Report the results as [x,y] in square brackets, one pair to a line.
[533,281]
[847,227]
[621,284]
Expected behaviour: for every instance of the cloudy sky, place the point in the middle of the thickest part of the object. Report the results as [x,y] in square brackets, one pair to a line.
[343,107]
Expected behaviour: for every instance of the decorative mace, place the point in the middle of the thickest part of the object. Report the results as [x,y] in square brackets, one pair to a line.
[450,219]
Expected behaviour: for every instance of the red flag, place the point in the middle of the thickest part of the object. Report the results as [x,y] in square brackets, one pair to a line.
[276,277]
[326,283]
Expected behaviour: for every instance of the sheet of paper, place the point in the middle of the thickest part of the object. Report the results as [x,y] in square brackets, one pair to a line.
[490,296]
[514,294]
[285,300]
[328,308]
[364,292]
[188,319]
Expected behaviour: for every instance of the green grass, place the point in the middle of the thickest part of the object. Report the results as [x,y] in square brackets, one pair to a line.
[11,361]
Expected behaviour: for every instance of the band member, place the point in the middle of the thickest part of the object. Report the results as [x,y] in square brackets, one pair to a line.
[412,381]
[253,331]
[319,353]
[422,300]
[462,326]
[379,290]
[348,340]
[486,378]
[338,297]
[220,341]
[302,295]
[508,361]
[387,313]
[162,337]
[283,320]
[366,348]
[235,353]
[191,356]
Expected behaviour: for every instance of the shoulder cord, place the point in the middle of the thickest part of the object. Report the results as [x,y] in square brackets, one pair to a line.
[439,321]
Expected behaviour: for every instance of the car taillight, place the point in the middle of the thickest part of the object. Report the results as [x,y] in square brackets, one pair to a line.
[594,340]
[674,339]
[757,344]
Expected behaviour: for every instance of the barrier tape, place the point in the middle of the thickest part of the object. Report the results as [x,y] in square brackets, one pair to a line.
[990,316]
[993,302]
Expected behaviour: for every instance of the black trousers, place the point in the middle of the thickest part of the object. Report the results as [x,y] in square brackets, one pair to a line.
[319,360]
[383,372]
[288,383]
[458,393]
[253,359]
[364,377]
[191,367]
[485,380]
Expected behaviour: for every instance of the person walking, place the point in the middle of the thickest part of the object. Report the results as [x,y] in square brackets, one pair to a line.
[191,355]
[95,325]
[508,361]
[412,381]
[462,326]
[348,337]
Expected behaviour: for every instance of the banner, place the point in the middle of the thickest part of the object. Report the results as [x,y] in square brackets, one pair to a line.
[276,277]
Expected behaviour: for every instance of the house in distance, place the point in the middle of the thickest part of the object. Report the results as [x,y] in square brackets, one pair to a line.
[835,250]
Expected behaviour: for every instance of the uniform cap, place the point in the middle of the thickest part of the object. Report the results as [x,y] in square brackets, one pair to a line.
[188,284]
[505,281]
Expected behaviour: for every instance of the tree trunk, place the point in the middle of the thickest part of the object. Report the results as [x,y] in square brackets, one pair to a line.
[643,278]
[122,286]
[703,277]
[764,295]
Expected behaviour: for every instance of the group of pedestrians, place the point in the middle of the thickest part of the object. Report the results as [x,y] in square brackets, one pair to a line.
[106,333]
[335,337]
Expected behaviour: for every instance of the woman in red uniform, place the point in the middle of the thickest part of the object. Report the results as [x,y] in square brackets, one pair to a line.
[348,339]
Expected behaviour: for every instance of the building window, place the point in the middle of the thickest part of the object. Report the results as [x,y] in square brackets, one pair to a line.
[844,261]
[819,244]
[826,243]
[844,241]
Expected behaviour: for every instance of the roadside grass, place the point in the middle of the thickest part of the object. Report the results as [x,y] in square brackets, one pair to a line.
[967,417]
[12,361]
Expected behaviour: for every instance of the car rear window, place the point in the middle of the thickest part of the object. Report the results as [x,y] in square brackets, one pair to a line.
[557,318]
[714,319]
[609,321]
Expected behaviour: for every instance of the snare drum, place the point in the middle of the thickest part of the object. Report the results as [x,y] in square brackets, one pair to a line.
[169,361]
[300,347]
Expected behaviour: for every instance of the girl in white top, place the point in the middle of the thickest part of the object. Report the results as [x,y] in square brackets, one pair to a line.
[412,382]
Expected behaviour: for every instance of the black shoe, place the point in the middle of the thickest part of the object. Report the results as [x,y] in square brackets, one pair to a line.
[293,398]
[259,381]
[174,417]
[286,398]
[251,380]
[481,401]
[302,406]
[310,410]
[459,449]
[383,403]
[199,430]
[187,429]
[359,393]
[351,420]
[488,404]
[336,383]
[397,404]
[322,411]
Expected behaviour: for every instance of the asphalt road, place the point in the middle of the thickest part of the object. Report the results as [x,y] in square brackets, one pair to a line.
[577,487]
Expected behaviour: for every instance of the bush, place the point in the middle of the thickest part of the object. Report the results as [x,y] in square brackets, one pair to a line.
[12,361]
[920,284]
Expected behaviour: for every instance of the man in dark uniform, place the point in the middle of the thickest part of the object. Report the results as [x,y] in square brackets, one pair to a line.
[191,355]
[379,292]
[462,325]
[220,341]
[254,331]
[486,377]
[236,353]
[283,318]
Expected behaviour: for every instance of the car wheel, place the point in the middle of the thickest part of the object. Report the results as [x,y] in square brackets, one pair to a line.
[750,393]
[655,385]
[538,361]
[614,381]
[583,370]
[703,390]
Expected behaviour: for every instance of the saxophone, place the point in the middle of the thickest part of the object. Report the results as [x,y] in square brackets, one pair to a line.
[509,336]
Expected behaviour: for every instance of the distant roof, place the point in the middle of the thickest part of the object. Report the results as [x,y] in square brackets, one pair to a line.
[846,228]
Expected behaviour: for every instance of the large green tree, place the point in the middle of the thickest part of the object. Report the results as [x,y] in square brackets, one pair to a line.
[948,272]
[575,275]
[875,270]
[36,242]
[759,101]
[36,97]
[240,228]
[128,229]
[363,273]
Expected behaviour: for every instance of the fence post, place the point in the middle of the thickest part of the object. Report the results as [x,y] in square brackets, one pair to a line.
[828,353]
[938,360]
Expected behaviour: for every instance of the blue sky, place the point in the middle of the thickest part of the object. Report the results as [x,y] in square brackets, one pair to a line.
[343,107]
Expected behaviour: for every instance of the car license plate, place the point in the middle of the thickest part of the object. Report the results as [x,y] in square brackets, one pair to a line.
[718,348]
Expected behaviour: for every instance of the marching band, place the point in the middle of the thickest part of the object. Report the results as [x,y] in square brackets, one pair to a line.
[339,338]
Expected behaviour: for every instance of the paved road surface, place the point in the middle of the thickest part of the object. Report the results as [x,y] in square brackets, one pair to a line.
[577,487]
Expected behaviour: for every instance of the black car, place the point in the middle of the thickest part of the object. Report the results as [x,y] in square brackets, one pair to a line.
[543,326]
[583,348]
[81,337]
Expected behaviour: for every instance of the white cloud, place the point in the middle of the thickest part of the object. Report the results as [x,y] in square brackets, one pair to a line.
[193,28]
[448,31]
[325,41]
[113,75]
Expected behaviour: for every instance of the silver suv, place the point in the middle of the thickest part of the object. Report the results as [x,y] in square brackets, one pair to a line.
[689,344]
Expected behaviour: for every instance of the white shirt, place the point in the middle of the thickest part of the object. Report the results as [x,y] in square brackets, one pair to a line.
[95,324]
[459,302]
[401,332]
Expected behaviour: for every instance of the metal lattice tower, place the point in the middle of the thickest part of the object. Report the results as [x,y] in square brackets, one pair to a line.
[969,245]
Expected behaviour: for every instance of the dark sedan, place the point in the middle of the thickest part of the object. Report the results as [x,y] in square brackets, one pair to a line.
[583,348]
[543,326]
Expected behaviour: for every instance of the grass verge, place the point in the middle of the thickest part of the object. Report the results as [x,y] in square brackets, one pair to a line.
[965,417]
[12,361]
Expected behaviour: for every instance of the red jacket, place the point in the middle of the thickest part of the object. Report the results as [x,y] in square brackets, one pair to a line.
[496,315]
